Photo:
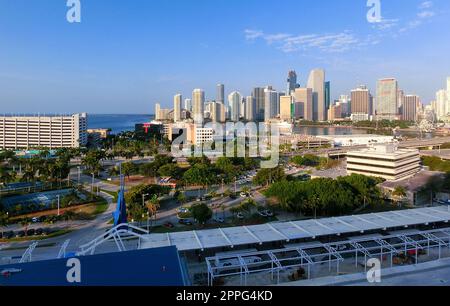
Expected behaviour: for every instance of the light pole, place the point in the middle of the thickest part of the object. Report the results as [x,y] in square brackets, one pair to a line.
[79,175]
[143,205]
[58,196]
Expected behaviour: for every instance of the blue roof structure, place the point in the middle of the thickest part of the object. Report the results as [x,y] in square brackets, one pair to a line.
[152,267]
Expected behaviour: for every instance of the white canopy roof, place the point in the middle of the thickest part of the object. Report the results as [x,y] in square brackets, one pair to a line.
[287,231]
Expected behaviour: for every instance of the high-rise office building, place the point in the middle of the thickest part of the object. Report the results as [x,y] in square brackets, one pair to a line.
[304,96]
[259,95]
[441,105]
[409,108]
[286,108]
[220,93]
[361,101]
[291,82]
[387,99]
[177,107]
[188,105]
[316,82]
[271,101]
[400,96]
[198,101]
[27,132]
[234,101]
[250,108]
[157,111]
[327,95]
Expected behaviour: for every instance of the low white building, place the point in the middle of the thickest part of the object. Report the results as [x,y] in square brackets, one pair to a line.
[358,140]
[384,161]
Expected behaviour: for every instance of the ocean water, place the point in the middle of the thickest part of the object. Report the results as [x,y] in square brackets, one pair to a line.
[117,123]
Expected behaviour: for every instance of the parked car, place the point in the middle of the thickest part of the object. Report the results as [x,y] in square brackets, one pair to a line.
[240,216]
[39,232]
[31,232]
[269,213]
[20,234]
[185,222]
[168,225]
[219,220]
[262,214]
[35,220]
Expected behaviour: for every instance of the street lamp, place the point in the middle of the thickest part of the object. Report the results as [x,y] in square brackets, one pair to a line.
[58,196]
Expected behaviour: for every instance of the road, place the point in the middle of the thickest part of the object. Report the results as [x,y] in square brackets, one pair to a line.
[82,233]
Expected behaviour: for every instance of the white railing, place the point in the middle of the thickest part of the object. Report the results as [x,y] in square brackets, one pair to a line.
[26,257]
[118,233]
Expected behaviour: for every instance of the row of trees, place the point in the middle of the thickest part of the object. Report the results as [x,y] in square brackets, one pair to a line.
[318,162]
[326,197]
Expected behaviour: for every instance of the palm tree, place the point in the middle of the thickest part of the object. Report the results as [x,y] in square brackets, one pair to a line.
[152,206]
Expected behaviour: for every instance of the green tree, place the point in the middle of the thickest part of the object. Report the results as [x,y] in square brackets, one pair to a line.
[202,213]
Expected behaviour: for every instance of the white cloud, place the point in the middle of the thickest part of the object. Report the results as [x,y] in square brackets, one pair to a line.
[426,5]
[426,14]
[329,43]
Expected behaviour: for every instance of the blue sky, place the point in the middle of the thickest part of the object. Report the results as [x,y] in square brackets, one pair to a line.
[126,55]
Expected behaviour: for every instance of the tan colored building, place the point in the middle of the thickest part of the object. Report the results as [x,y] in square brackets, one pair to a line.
[286,103]
[305,97]
[27,132]
[384,161]
[410,106]
[335,113]
[177,107]
[361,101]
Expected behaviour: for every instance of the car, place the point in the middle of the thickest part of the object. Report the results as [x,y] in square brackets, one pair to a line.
[39,232]
[168,225]
[268,213]
[185,222]
[31,232]
[240,216]
[219,220]
[262,213]
[234,262]
[8,235]
[35,220]
[243,195]
[183,210]
[20,234]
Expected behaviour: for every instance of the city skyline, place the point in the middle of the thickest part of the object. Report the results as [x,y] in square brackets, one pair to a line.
[115,57]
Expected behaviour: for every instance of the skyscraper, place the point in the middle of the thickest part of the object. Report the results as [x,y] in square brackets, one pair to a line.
[250,108]
[361,101]
[304,96]
[157,111]
[220,93]
[441,105]
[400,96]
[270,103]
[198,101]
[286,108]
[316,82]
[327,96]
[387,99]
[259,95]
[410,105]
[291,82]
[188,105]
[234,100]
[177,107]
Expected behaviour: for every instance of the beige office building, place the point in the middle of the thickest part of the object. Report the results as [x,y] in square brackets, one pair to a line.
[177,107]
[27,132]
[387,99]
[361,101]
[316,82]
[305,97]
[198,105]
[286,103]
[384,161]
[410,106]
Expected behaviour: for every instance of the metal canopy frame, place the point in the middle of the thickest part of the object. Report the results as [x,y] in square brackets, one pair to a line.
[276,261]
